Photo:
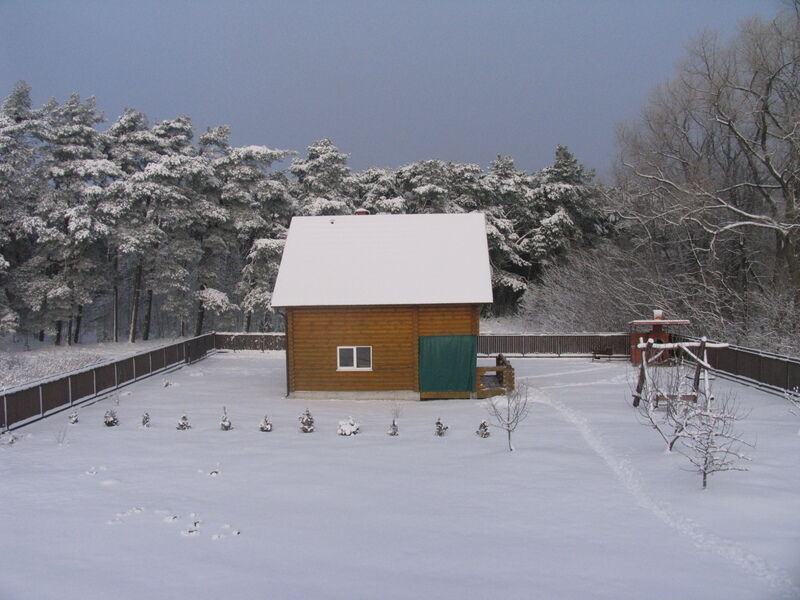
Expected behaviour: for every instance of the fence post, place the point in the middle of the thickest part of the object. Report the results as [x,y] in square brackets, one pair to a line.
[41,401]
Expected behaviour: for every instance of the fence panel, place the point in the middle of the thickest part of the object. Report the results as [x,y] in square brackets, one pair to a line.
[82,385]
[157,360]
[773,371]
[171,354]
[22,405]
[142,365]
[55,394]
[124,370]
[793,376]
[105,377]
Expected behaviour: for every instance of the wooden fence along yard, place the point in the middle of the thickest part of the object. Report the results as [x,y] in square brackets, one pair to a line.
[32,401]
[28,403]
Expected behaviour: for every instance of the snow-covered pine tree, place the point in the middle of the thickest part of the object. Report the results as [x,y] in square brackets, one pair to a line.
[21,184]
[183,423]
[324,185]
[77,215]
[110,418]
[265,425]
[258,205]
[483,430]
[225,422]
[306,422]
[258,279]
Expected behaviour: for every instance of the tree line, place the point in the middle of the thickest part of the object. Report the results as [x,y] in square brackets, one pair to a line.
[144,229]
[149,229]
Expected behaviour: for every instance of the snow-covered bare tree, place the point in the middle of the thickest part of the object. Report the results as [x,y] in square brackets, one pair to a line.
[711,173]
[711,442]
[509,411]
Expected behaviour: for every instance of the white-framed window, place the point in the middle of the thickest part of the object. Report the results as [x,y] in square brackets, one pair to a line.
[354,358]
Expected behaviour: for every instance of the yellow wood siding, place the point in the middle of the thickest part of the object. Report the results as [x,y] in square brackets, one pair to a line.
[448,319]
[392,331]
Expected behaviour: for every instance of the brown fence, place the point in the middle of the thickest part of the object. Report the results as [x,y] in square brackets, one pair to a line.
[748,365]
[572,344]
[30,402]
[250,341]
[615,344]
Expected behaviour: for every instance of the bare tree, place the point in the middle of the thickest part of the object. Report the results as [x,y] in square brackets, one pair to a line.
[710,442]
[509,411]
[710,176]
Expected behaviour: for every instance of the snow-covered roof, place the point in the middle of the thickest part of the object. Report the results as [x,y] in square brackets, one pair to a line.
[385,259]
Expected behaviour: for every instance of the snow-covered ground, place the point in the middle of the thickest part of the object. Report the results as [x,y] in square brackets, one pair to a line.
[589,506]
[19,365]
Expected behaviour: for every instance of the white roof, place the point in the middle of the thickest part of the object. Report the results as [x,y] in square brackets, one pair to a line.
[385,259]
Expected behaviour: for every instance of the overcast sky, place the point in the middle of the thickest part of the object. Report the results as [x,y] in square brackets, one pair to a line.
[389,82]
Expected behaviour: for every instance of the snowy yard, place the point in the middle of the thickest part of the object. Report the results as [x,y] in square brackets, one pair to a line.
[588,506]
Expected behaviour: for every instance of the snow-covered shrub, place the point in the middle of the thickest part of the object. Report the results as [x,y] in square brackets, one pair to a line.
[7,438]
[441,428]
[266,424]
[225,422]
[306,422]
[183,423]
[146,419]
[110,418]
[483,430]
[349,427]
[73,417]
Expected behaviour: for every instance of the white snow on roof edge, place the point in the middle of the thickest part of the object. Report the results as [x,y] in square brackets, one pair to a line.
[362,260]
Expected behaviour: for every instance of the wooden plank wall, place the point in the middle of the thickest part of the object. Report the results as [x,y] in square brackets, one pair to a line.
[392,331]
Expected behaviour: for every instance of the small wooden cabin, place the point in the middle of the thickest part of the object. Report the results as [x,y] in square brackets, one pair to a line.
[383,306]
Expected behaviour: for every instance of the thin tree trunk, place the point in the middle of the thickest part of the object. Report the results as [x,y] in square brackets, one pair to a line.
[115,303]
[59,326]
[148,311]
[247,320]
[78,320]
[137,283]
[201,313]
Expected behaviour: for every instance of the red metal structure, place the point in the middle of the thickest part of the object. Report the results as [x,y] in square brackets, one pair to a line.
[656,332]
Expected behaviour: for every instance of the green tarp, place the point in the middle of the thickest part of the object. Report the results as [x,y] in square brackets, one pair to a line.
[447,363]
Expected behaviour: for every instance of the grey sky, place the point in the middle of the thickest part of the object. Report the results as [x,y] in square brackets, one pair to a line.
[388,82]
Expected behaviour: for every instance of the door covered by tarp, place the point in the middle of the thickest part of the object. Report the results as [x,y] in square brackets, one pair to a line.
[447,363]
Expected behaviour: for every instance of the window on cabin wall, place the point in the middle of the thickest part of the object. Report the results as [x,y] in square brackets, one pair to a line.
[354,358]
